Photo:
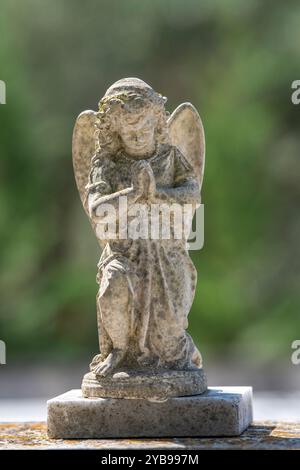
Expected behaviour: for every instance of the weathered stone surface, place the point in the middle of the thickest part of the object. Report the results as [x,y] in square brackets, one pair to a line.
[221,411]
[157,385]
[261,435]
[131,149]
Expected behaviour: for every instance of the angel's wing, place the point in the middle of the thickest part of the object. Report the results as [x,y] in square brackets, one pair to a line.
[186,132]
[83,149]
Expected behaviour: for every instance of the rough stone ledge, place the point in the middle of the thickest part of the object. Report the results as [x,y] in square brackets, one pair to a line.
[262,435]
[221,411]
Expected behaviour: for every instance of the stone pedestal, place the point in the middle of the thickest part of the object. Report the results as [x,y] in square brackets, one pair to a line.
[220,411]
[157,385]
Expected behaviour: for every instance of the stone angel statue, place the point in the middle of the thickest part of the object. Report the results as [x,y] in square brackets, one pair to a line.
[131,148]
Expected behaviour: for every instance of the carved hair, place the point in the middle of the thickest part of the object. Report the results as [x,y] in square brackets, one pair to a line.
[113,108]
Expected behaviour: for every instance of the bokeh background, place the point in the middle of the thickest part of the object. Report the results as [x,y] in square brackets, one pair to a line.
[235,61]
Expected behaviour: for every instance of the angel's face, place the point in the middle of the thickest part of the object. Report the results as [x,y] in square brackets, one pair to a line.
[137,133]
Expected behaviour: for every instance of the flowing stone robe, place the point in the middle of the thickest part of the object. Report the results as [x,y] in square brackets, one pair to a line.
[158,274]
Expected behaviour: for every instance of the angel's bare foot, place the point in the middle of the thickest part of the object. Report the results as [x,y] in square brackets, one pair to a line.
[110,363]
[96,360]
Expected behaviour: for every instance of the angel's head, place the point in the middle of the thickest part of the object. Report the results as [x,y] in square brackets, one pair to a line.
[131,117]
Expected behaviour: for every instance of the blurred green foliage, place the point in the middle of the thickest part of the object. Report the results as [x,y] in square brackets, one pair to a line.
[235,61]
